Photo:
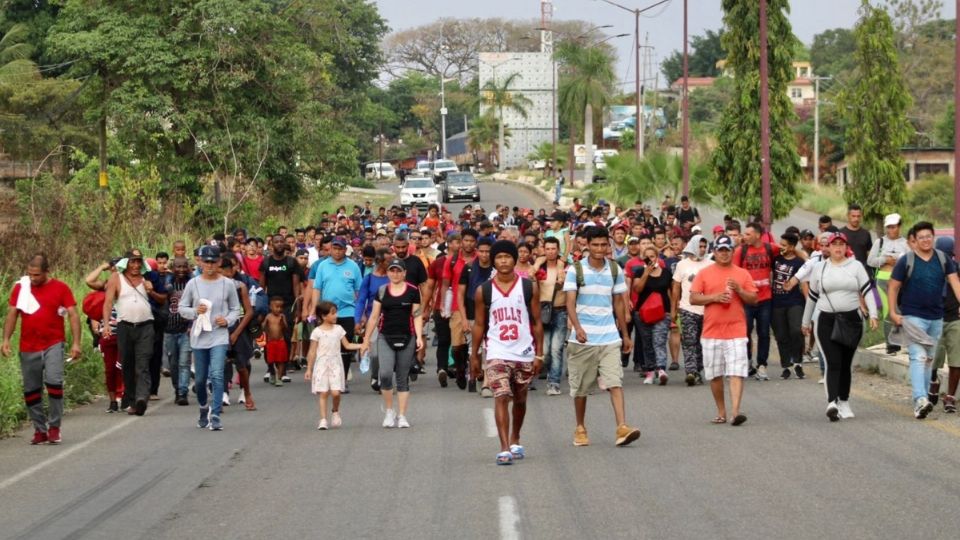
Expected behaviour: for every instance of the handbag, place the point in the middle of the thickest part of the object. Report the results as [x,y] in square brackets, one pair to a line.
[652,310]
[847,330]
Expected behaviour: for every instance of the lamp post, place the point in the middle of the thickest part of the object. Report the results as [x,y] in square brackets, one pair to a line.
[443,116]
[685,128]
[764,121]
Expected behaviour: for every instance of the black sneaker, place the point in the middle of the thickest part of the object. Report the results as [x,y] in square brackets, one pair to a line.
[786,374]
[674,366]
[798,370]
[691,379]
[114,407]
[751,372]
[182,400]
[462,381]
[472,386]
[140,407]
[375,385]
[442,377]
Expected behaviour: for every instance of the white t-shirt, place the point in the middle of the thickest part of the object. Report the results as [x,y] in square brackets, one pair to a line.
[685,272]
[509,334]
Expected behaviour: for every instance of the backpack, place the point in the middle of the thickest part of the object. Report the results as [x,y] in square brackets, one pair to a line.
[578,267]
[911,259]
[486,289]
[93,305]
[766,247]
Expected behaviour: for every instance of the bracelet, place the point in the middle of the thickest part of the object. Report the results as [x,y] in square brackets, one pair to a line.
[538,357]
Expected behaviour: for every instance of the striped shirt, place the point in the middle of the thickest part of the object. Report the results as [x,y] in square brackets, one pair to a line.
[595,302]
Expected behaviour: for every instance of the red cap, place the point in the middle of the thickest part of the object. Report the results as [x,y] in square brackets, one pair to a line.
[718,229]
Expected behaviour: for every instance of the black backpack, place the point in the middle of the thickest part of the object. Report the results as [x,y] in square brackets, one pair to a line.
[486,289]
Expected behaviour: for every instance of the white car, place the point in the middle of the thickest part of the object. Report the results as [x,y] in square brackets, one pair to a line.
[443,166]
[379,171]
[419,192]
[423,168]
[599,158]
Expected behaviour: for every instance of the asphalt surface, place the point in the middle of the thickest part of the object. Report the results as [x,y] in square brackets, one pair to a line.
[787,473]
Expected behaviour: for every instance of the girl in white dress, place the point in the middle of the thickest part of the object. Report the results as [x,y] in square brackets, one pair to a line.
[324,365]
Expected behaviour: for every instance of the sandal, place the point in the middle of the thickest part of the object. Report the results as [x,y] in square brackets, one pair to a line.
[719,420]
[504,458]
[739,420]
[517,451]
[249,404]
[949,404]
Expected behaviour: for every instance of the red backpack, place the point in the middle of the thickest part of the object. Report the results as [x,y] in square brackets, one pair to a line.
[93,305]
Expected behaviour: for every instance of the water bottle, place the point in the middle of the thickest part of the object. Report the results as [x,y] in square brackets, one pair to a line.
[447,304]
[365,363]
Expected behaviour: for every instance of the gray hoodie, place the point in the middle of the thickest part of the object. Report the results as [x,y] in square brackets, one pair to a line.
[222,293]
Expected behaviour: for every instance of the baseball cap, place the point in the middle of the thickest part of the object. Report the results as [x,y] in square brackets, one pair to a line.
[717,229]
[837,236]
[806,233]
[891,219]
[130,255]
[695,229]
[209,254]
[339,242]
[397,263]
[633,240]
[723,242]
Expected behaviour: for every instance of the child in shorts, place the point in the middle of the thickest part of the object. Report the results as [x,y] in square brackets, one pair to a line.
[324,364]
[275,327]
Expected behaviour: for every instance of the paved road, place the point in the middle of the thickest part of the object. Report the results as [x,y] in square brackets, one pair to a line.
[491,194]
[270,474]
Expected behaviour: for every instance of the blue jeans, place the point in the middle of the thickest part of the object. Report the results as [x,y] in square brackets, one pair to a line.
[921,358]
[762,314]
[209,363]
[554,343]
[176,358]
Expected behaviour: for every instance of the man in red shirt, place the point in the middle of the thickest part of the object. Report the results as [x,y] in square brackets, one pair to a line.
[724,290]
[42,338]
[756,257]
[459,327]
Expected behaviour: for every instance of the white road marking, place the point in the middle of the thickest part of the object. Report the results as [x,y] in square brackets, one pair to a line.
[69,451]
[490,422]
[509,518]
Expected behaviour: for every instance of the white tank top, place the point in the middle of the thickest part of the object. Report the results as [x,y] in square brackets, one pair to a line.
[132,305]
[509,335]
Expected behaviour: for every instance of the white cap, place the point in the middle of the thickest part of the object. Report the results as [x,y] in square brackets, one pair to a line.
[891,219]
[695,229]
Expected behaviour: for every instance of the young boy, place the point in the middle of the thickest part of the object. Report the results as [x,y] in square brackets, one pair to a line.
[275,327]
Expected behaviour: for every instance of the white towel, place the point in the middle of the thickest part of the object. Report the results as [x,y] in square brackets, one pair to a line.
[26,302]
[202,324]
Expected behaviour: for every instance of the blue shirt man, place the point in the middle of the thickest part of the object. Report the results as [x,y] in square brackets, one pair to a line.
[338,280]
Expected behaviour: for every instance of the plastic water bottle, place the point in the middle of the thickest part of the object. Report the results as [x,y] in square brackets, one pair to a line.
[447,309]
[365,363]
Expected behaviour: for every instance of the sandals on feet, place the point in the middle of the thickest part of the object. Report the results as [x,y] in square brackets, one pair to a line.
[504,458]
[517,451]
[719,420]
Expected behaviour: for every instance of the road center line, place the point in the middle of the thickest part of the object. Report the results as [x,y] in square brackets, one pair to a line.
[509,518]
[490,423]
[68,452]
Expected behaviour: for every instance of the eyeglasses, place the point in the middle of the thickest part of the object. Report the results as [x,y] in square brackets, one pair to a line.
[925,237]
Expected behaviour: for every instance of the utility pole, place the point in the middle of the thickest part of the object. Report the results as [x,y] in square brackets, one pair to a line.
[956,130]
[443,118]
[685,127]
[546,46]
[816,128]
[767,217]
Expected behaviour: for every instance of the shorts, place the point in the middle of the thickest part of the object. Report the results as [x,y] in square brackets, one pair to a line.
[948,347]
[592,366]
[277,352]
[724,358]
[506,378]
[328,375]
[457,337]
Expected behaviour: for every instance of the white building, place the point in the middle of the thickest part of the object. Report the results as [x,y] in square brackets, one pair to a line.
[536,82]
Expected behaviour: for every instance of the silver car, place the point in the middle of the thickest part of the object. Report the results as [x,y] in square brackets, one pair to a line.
[461,185]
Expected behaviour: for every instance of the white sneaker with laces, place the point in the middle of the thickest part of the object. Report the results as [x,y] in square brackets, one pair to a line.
[335,420]
[402,422]
[226,399]
[241,400]
[285,378]
[553,390]
[762,374]
[845,410]
[923,408]
[323,425]
[390,419]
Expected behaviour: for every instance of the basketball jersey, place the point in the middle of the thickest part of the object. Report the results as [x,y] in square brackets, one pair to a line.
[509,334]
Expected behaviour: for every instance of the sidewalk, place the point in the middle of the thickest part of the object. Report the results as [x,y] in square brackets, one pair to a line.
[530,183]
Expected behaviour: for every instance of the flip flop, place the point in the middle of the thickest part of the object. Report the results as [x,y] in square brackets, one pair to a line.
[517,451]
[739,420]
[504,458]
[719,420]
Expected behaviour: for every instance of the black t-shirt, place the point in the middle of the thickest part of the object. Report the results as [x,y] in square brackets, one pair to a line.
[783,270]
[473,276]
[950,306]
[279,277]
[659,284]
[860,242]
[687,216]
[396,312]
[416,273]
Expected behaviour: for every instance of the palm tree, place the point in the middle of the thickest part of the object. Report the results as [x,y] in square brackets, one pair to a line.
[483,134]
[499,96]
[659,173]
[15,64]
[586,84]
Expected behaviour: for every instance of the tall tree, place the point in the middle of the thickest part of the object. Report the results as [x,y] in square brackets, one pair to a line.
[483,136]
[832,52]
[737,157]
[498,95]
[586,84]
[705,52]
[875,107]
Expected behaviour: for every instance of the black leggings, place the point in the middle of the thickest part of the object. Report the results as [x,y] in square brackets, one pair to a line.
[442,327]
[838,358]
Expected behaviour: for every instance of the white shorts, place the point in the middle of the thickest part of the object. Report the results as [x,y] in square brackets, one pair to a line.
[724,358]
[327,376]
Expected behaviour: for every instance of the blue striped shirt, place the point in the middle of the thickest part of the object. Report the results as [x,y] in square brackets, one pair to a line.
[595,302]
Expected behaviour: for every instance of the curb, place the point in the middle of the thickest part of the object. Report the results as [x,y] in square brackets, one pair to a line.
[547,197]
[892,366]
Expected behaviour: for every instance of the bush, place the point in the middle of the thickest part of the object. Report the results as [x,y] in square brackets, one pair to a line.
[931,197]
[823,199]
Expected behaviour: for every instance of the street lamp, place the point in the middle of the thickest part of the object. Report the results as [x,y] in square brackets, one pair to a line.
[443,116]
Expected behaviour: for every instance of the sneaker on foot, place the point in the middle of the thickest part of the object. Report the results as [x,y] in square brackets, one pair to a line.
[322,426]
[390,419]
[553,389]
[349,375]
[266,377]
[402,422]
[486,392]
[39,437]
[375,385]
[786,374]
[580,437]
[53,435]
[471,385]
[845,410]
[949,404]
[820,381]
[182,400]
[241,400]
[442,377]
[752,371]
[204,420]
[335,420]
[626,435]
[113,407]
[699,378]
[140,407]
[215,424]
[691,379]
[798,370]
[833,412]
[674,366]
[285,378]
[922,408]
[226,399]
[662,376]
[648,379]
[762,374]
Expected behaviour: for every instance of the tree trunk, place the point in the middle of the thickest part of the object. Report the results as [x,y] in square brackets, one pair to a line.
[500,143]
[588,143]
[572,155]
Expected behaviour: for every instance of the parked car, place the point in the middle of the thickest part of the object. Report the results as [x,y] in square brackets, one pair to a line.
[442,167]
[379,171]
[419,192]
[460,185]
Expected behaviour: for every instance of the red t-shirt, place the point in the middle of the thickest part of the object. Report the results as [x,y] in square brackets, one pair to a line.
[251,266]
[723,321]
[453,274]
[759,265]
[435,272]
[44,328]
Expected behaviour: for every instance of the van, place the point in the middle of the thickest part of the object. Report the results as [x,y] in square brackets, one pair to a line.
[379,170]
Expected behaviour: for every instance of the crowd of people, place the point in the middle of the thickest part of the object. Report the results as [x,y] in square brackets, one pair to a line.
[508,298]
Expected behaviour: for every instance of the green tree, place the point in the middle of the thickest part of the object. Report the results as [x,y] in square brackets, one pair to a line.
[659,173]
[945,127]
[499,96]
[708,104]
[737,157]
[704,53]
[545,151]
[875,108]
[483,136]
[586,84]
[832,52]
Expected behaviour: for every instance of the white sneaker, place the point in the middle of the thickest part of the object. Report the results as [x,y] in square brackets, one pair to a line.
[833,412]
[402,422]
[486,392]
[390,419]
[266,377]
[285,378]
[241,400]
[923,408]
[648,379]
[226,399]
[553,390]
[762,374]
[820,381]
[335,420]
[845,410]
[349,375]
[323,425]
